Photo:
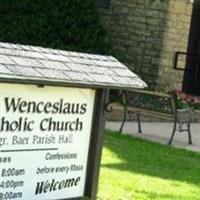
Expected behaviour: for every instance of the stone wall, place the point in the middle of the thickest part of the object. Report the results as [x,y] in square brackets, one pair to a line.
[145,34]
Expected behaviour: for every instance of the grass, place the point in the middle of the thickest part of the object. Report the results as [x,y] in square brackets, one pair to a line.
[135,169]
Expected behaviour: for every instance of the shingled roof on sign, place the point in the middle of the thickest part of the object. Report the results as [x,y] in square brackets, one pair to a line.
[37,64]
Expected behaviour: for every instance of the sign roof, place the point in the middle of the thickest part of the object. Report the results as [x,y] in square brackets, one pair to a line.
[36,64]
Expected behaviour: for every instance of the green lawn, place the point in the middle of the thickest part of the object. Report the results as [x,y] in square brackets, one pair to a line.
[135,169]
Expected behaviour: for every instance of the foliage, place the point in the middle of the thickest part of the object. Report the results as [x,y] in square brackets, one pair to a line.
[71,25]
[184,101]
[135,169]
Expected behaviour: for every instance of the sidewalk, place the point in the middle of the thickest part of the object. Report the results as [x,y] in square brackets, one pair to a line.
[161,132]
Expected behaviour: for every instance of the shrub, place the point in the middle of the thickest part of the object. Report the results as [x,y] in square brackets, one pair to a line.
[64,24]
[186,101]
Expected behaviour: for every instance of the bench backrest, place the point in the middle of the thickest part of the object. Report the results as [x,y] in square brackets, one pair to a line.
[152,102]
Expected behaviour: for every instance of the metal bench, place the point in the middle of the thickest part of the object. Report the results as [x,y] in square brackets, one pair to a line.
[156,105]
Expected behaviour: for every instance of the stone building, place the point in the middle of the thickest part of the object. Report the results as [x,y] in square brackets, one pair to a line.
[147,34]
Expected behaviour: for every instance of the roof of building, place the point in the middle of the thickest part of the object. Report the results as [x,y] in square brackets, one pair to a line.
[36,64]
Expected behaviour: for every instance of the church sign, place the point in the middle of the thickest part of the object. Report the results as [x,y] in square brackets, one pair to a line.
[44,142]
[52,120]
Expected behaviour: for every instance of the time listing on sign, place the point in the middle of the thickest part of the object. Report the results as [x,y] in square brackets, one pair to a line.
[44,141]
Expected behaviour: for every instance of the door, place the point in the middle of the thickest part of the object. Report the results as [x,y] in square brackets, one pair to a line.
[191,81]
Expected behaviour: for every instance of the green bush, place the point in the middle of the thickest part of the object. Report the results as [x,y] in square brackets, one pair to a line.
[64,24]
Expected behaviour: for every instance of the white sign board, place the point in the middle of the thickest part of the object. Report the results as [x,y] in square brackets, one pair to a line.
[44,141]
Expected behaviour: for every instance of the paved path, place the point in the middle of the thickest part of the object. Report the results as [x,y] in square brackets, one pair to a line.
[161,132]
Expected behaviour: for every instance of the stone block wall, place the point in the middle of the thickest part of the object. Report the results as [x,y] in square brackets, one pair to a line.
[145,34]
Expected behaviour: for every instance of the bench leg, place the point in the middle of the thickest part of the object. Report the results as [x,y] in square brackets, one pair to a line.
[139,123]
[189,134]
[124,119]
[173,133]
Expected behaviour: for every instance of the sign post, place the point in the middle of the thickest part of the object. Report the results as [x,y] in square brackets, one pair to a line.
[52,120]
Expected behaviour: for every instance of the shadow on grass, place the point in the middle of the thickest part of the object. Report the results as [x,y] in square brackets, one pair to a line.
[144,157]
